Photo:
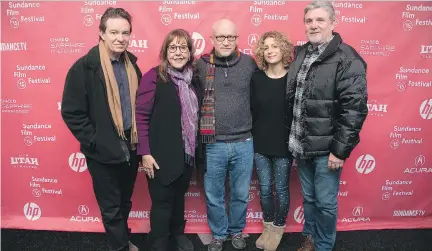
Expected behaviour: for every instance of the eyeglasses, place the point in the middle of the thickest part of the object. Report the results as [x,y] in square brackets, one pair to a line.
[173,48]
[222,38]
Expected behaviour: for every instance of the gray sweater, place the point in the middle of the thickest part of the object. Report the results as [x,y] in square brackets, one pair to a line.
[232,95]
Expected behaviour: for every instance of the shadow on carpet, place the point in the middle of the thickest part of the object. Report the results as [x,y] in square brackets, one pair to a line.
[384,240]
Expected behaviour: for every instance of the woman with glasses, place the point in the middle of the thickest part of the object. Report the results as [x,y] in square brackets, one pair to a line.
[270,129]
[167,120]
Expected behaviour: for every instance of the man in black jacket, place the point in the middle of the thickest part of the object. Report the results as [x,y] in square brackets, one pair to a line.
[327,93]
[98,107]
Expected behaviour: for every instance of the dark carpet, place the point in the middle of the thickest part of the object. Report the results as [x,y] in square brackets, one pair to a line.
[385,240]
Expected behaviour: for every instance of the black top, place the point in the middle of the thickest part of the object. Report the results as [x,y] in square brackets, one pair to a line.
[269,113]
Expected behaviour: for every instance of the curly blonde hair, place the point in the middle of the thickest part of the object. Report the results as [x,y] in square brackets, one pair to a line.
[285,46]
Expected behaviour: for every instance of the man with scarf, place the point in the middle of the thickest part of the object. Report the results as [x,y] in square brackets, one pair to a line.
[98,107]
[225,128]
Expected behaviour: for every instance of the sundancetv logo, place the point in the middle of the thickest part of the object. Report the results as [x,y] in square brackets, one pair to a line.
[13,46]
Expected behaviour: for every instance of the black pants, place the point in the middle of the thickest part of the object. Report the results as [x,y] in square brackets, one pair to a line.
[167,211]
[113,187]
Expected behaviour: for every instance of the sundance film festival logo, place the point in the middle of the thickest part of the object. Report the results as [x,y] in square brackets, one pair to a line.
[88,20]
[28,141]
[32,211]
[336,22]
[256,19]
[407,25]
[251,196]
[426,109]
[199,43]
[401,86]
[37,193]
[14,22]
[299,215]
[394,144]
[166,19]
[21,84]
[77,162]
[365,164]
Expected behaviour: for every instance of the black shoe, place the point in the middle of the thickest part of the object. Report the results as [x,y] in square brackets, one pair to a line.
[183,243]
[215,245]
[238,241]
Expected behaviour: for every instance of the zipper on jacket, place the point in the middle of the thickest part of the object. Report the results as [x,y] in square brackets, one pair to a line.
[226,61]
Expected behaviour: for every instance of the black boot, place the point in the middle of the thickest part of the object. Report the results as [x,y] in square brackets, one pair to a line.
[180,240]
[183,243]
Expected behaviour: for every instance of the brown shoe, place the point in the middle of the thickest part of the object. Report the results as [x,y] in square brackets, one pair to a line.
[265,234]
[274,238]
[307,245]
[132,247]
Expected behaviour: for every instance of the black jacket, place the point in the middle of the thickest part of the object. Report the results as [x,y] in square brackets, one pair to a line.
[335,99]
[86,112]
[165,131]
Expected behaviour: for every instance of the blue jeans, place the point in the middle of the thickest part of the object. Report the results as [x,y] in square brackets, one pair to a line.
[237,158]
[320,187]
[279,168]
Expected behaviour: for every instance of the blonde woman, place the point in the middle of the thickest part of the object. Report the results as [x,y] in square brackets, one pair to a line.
[270,130]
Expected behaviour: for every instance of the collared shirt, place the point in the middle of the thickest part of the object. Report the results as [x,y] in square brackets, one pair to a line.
[123,86]
[297,129]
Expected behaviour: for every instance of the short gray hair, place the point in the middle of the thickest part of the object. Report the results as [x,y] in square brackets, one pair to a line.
[316,4]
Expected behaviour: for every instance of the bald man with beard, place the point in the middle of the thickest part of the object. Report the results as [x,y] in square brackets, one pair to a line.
[225,133]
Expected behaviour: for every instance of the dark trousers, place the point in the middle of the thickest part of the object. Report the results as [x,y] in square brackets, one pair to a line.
[113,187]
[167,211]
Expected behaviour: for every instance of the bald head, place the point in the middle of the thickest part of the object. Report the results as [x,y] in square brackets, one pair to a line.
[224,37]
[223,26]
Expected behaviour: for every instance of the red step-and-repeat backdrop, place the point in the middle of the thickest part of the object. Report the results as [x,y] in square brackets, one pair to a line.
[386,183]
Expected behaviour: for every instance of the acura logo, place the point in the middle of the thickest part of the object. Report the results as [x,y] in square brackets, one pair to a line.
[83,210]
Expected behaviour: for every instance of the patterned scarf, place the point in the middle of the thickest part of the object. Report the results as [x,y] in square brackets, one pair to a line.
[208,121]
[189,107]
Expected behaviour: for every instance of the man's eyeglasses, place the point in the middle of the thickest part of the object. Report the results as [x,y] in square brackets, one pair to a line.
[222,38]
[173,48]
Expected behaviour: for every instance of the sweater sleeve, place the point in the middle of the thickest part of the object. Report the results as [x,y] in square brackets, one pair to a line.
[144,108]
